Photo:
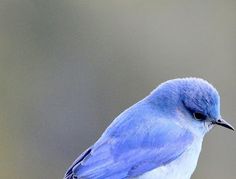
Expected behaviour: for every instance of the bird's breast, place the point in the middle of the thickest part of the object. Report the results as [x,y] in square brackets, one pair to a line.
[180,168]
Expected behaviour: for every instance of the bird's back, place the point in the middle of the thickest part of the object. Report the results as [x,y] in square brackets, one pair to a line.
[138,141]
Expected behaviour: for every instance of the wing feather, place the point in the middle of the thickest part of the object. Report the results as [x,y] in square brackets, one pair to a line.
[138,141]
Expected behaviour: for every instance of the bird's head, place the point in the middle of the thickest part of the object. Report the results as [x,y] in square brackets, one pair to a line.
[193,101]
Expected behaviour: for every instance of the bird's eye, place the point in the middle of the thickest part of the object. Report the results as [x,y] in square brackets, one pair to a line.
[199,116]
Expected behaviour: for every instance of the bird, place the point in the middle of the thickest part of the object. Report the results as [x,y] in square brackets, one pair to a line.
[159,137]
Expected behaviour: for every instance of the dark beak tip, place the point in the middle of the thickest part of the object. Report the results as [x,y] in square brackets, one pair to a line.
[232,128]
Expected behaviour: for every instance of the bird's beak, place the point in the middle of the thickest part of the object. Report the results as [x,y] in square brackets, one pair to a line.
[222,122]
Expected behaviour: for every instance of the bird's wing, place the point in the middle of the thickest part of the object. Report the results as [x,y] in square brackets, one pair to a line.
[134,144]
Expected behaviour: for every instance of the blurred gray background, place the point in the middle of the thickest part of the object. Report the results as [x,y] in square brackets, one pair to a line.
[68,68]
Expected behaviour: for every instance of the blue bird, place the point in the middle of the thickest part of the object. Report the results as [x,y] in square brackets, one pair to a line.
[160,137]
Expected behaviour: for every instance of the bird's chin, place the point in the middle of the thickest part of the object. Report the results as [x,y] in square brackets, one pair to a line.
[208,125]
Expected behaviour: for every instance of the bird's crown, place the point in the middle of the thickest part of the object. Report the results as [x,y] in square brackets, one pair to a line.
[194,94]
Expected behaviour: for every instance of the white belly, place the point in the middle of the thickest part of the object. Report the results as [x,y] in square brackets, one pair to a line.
[181,168]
